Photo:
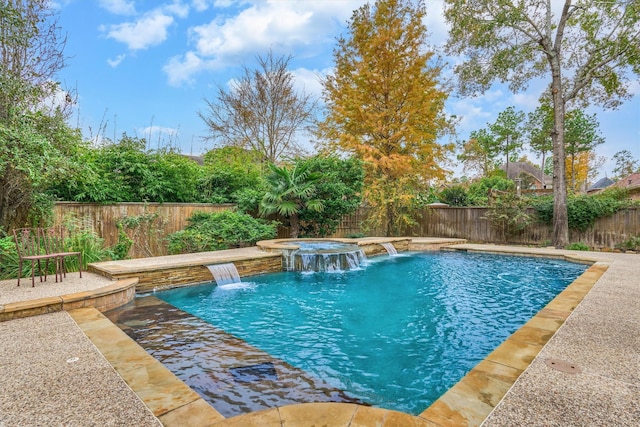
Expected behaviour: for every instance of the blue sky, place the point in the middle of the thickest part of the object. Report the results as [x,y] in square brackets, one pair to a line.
[144,67]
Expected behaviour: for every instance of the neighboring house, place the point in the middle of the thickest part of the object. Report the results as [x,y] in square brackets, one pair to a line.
[600,185]
[531,176]
[632,184]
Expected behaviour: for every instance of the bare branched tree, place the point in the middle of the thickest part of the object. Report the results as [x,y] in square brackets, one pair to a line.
[262,111]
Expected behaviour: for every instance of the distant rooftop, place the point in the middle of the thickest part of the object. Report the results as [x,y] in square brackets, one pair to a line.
[601,184]
[632,180]
[516,169]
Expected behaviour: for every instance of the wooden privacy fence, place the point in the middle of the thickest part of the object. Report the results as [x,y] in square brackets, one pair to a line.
[150,238]
[466,223]
[471,223]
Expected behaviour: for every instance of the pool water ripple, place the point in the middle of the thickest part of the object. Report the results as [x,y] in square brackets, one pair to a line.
[396,334]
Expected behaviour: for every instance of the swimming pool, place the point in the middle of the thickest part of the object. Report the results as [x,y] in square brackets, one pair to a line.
[395,334]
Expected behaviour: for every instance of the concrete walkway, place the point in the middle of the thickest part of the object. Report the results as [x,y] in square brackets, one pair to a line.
[52,374]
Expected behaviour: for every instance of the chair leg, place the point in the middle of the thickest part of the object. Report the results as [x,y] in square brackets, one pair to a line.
[63,268]
[33,274]
[55,265]
[19,270]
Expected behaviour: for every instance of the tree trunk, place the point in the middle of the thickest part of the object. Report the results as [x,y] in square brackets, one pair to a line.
[506,169]
[560,217]
[544,184]
[295,226]
[390,220]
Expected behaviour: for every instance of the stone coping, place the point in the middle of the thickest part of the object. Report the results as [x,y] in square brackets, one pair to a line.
[104,298]
[289,244]
[168,398]
[167,262]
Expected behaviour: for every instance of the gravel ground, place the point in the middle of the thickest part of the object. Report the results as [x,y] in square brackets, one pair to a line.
[52,375]
[10,292]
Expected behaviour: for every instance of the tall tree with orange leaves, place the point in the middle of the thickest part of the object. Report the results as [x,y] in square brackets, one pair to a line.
[385,105]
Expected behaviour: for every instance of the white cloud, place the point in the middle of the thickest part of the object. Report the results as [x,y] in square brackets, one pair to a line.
[113,63]
[153,132]
[470,112]
[177,9]
[634,87]
[294,27]
[254,29]
[436,25]
[149,30]
[118,7]
[59,99]
[309,80]
[180,69]
[202,5]
[527,101]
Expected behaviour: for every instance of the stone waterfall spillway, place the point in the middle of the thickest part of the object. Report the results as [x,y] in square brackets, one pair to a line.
[323,256]
[224,274]
[391,250]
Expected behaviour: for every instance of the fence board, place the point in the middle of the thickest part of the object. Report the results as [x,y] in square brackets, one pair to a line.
[172,217]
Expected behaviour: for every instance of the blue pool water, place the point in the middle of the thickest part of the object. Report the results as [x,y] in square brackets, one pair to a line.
[397,333]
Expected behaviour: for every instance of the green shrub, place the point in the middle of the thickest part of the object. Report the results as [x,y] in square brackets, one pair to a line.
[478,193]
[9,259]
[222,230]
[90,244]
[630,244]
[454,196]
[507,213]
[121,249]
[355,235]
[578,246]
[583,210]
[340,190]
[81,236]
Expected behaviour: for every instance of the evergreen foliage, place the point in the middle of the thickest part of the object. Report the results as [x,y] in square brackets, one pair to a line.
[222,230]
[340,189]
[584,210]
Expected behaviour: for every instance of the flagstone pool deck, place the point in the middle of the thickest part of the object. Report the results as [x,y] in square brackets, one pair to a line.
[576,363]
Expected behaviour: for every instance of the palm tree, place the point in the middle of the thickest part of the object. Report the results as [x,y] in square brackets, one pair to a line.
[289,192]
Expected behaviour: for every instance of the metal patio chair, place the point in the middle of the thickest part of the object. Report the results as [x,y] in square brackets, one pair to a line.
[53,241]
[30,248]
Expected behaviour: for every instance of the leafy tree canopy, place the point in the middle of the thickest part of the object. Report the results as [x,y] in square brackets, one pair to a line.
[588,50]
[290,191]
[233,175]
[385,105]
[626,164]
[340,189]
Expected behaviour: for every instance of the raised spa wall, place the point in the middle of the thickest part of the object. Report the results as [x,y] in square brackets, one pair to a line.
[266,257]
